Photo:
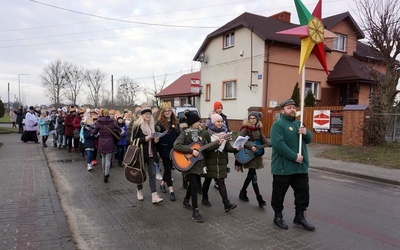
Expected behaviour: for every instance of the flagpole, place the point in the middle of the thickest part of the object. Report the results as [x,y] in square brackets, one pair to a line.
[303,84]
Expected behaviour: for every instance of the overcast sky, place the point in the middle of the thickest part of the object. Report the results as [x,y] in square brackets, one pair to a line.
[131,38]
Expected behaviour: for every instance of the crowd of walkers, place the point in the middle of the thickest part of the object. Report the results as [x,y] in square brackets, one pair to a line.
[90,132]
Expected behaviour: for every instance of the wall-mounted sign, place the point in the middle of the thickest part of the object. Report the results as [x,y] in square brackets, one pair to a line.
[195,85]
[328,121]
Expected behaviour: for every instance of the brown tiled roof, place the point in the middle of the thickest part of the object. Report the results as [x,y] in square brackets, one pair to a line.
[266,28]
[349,69]
[180,87]
[331,21]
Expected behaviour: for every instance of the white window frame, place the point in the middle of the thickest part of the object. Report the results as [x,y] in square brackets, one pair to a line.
[229,90]
[229,40]
[314,87]
[339,43]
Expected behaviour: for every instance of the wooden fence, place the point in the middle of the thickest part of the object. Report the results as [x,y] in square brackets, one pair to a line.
[271,114]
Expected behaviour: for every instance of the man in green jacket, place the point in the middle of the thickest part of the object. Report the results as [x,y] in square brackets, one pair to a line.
[288,167]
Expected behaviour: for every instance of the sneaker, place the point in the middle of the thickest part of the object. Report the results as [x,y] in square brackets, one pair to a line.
[206,203]
[155,198]
[163,189]
[196,216]
[139,195]
[172,196]
[158,176]
[89,167]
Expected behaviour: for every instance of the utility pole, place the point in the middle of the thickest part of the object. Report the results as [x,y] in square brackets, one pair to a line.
[112,90]
[9,105]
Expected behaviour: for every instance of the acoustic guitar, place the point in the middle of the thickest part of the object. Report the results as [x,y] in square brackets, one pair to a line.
[185,161]
[245,155]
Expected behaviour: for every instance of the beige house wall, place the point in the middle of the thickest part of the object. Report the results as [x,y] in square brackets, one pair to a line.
[235,64]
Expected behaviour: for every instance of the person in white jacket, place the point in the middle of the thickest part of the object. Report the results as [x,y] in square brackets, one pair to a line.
[31,124]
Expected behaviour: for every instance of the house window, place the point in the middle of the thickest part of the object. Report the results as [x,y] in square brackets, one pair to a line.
[229,90]
[229,40]
[339,43]
[313,87]
[208,92]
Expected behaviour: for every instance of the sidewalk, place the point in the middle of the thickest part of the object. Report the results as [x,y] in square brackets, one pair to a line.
[31,216]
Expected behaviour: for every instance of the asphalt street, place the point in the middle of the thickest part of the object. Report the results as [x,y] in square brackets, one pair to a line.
[50,201]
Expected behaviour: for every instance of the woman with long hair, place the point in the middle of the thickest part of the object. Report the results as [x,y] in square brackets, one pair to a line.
[169,124]
[143,129]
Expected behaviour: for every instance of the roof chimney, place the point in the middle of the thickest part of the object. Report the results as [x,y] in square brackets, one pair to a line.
[283,16]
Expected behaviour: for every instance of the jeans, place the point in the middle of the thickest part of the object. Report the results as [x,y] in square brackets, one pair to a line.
[151,171]
[121,149]
[89,156]
[62,140]
[106,162]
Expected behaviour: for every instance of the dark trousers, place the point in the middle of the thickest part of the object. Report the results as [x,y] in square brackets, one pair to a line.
[251,177]
[20,128]
[70,139]
[167,175]
[299,184]
[192,189]
[221,189]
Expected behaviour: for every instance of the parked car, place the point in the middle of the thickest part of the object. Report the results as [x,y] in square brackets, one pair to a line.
[179,111]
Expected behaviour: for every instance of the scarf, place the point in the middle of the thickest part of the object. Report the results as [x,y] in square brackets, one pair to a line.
[147,131]
[217,134]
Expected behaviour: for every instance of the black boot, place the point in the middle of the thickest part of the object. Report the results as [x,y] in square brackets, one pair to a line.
[228,206]
[261,202]
[196,216]
[299,219]
[106,178]
[205,201]
[278,220]
[186,204]
[243,196]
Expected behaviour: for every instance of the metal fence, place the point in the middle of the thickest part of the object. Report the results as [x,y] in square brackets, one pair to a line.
[393,128]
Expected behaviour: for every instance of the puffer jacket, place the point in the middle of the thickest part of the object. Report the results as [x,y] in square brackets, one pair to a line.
[106,141]
[285,146]
[216,161]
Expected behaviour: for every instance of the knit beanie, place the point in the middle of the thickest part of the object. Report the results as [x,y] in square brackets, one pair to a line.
[256,114]
[215,118]
[191,118]
[218,105]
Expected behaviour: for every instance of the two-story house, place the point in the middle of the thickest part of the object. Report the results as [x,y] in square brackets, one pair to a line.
[245,63]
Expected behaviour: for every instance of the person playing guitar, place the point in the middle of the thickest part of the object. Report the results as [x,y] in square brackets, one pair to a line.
[252,128]
[182,147]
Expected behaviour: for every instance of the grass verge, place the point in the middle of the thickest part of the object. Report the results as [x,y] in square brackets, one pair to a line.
[387,155]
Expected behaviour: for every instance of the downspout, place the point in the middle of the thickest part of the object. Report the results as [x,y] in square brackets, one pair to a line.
[266,81]
[251,59]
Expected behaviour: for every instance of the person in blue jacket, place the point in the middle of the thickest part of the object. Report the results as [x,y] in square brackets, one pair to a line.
[288,166]
[121,145]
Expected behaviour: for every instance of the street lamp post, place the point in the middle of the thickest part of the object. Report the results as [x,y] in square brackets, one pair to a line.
[19,87]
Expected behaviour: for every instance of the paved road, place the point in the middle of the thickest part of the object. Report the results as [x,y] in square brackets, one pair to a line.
[349,213]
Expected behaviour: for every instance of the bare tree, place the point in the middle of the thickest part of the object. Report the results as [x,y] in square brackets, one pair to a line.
[74,75]
[381,23]
[158,84]
[127,91]
[95,80]
[53,80]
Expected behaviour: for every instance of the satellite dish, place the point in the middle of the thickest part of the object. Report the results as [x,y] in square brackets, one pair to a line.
[202,57]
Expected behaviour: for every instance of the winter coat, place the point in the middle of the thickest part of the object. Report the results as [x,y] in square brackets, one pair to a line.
[77,122]
[106,141]
[216,161]
[68,122]
[182,143]
[138,134]
[44,123]
[89,138]
[20,116]
[256,162]
[123,140]
[60,125]
[285,146]
[13,116]
[165,144]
